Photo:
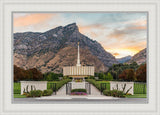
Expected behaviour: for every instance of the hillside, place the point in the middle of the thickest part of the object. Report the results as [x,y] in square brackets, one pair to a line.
[140,57]
[124,59]
[53,49]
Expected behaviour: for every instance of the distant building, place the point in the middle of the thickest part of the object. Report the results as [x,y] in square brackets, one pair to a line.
[78,71]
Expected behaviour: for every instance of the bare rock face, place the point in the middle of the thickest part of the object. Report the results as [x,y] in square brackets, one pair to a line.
[139,58]
[51,50]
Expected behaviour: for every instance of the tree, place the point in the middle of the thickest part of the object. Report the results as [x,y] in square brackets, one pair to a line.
[52,76]
[35,74]
[18,73]
[117,69]
[109,77]
[127,75]
[31,74]
[141,73]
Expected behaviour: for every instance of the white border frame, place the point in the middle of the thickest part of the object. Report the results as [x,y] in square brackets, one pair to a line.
[8,6]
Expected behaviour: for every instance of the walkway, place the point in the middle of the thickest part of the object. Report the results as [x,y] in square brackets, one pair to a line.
[61,94]
[94,90]
[61,91]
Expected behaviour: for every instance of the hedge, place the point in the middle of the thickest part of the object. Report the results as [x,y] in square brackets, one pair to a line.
[97,84]
[114,93]
[35,93]
[47,92]
[59,84]
[78,90]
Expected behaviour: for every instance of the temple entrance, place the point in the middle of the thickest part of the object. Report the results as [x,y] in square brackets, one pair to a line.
[78,83]
[78,79]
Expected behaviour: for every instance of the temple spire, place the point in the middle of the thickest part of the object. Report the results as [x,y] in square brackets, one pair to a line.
[78,57]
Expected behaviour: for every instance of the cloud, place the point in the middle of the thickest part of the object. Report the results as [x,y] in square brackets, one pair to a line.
[121,34]
[84,28]
[116,54]
[31,19]
[128,30]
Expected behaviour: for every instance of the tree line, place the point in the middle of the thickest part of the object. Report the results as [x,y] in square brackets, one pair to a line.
[33,74]
[128,72]
[119,72]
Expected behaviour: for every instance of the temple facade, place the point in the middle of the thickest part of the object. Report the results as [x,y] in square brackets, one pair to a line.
[78,71]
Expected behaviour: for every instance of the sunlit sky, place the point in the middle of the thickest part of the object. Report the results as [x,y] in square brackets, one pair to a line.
[121,34]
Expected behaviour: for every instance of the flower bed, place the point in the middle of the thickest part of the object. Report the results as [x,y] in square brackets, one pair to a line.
[78,80]
[78,93]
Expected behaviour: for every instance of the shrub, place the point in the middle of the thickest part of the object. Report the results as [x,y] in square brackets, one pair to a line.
[47,92]
[114,93]
[78,90]
[35,93]
[99,80]
[107,93]
[91,77]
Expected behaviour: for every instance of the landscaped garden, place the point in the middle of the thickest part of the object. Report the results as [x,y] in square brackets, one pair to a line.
[78,92]
[122,73]
[51,86]
[54,83]
[139,89]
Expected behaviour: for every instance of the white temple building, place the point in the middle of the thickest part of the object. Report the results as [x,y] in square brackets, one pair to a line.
[78,71]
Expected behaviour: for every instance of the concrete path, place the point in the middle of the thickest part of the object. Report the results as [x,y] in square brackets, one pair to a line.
[61,94]
[69,97]
[61,91]
[95,91]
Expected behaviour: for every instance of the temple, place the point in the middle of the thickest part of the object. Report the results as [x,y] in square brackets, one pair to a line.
[78,71]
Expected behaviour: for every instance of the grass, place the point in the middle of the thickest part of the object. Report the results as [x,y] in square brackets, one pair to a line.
[17,87]
[19,96]
[97,84]
[140,88]
[137,96]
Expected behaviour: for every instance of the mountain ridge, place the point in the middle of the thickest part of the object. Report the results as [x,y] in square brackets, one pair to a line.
[139,57]
[36,49]
[124,59]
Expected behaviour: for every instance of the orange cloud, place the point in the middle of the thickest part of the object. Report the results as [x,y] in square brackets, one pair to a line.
[116,54]
[85,28]
[116,34]
[31,19]
[139,27]
[123,50]
[140,22]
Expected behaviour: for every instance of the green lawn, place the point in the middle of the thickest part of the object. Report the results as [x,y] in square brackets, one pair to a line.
[19,96]
[140,88]
[17,87]
[137,96]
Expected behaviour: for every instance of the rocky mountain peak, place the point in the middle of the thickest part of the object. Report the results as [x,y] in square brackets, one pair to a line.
[41,50]
[71,27]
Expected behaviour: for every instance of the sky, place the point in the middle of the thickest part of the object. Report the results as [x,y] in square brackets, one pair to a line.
[119,33]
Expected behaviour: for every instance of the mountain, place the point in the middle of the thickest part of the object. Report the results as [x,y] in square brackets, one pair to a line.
[140,57]
[53,49]
[124,59]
